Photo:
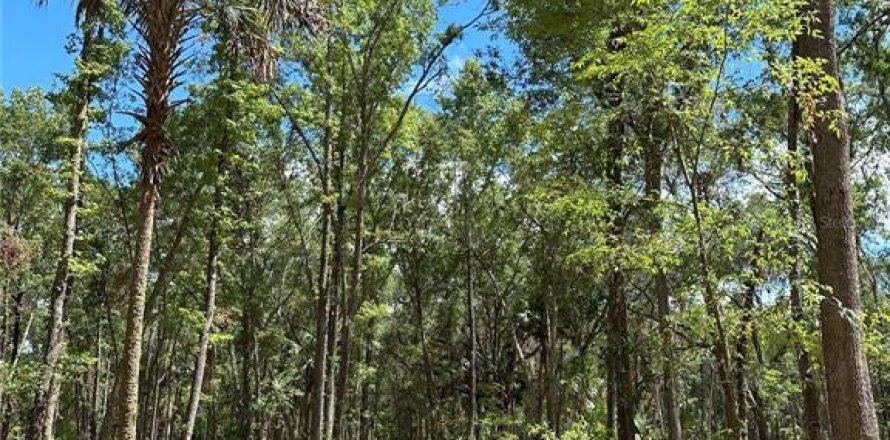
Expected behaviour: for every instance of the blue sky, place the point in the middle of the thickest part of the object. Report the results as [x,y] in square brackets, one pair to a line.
[32,40]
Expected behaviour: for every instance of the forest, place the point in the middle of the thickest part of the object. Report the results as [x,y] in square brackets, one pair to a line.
[450,219]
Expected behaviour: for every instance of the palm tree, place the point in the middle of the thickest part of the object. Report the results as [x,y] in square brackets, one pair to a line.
[162,26]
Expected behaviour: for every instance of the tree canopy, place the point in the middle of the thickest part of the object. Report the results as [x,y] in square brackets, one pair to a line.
[304,219]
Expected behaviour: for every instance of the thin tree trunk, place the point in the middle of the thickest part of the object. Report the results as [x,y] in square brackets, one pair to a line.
[751,411]
[338,305]
[472,410]
[619,337]
[212,275]
[95,396]
[850,403]
[720,346]
[611,403]
[811,422]
[210,428]
[549,365]
[365,416]
[331,376]
[321,328]
[654,164]
[42,413]
[319,373]
[250,320]
[352,300]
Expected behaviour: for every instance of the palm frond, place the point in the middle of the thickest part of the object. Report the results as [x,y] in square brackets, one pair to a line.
[85,10]
[162,26]
[88,9]
[256,29]
[290,15]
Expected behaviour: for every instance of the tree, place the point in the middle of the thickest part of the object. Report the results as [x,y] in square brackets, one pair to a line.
[850,402]
[98,56]
[561,220]
[162,26]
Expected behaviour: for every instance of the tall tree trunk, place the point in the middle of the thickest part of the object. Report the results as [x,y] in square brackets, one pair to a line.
[619,336]
[811,422]
[850,403]
[472,408]
[338,306]
[654,164]
[129,390]
[720,347]
[211,277]
[319,371]
[42,413]
[162,25]
[352,300]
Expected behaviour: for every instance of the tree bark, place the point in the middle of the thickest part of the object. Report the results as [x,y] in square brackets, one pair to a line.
[654,165]
[472,409]
[211,277]
[811,422]
[319,372]
[126,423]
[850,403]
[619,335]
[43,411]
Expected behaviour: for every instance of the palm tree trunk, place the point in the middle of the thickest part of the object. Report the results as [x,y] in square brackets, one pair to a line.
[162,24]
[132,356]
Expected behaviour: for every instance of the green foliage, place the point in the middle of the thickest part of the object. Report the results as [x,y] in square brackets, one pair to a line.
[645,139]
